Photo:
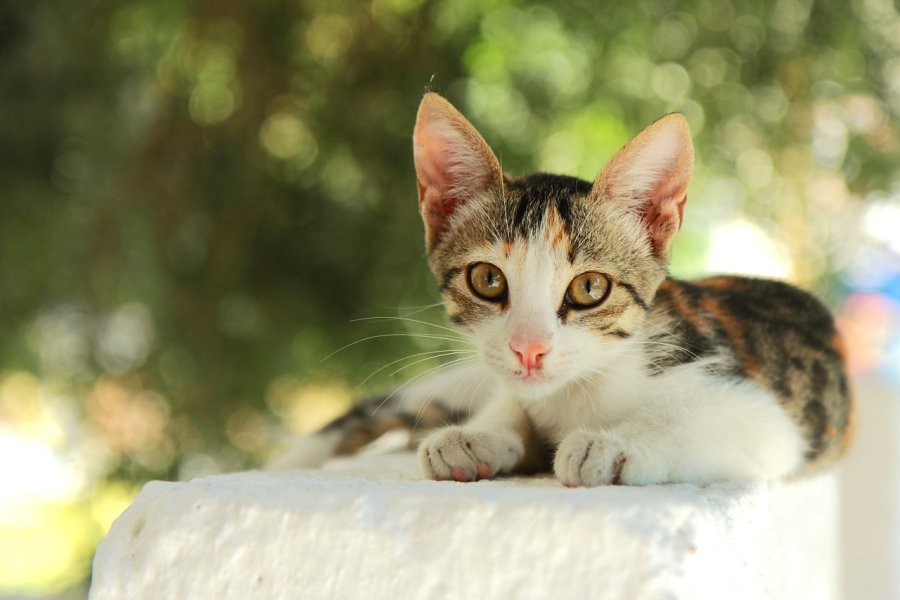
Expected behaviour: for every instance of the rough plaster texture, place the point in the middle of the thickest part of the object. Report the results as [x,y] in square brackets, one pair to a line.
[368,527]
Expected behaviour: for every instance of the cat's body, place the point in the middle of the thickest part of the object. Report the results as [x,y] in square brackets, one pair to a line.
[596,360]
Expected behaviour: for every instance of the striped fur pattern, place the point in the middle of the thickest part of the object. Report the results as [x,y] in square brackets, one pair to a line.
[659,380]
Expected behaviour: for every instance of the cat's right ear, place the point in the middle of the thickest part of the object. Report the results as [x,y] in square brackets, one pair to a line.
[453,164]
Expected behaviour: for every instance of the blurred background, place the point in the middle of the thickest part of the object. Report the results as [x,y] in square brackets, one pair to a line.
[197,199]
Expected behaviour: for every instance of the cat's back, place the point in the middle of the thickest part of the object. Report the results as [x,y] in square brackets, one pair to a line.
[768,326]
[737,303]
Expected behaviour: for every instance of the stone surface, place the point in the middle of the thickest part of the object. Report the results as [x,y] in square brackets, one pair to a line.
[368,527]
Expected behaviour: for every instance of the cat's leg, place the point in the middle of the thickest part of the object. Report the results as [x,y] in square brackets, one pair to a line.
[701,429]
[494,441]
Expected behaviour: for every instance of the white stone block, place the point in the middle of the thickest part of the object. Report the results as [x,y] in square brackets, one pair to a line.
[369,528]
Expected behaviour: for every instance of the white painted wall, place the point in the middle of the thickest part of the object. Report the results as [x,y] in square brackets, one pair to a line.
[369,528]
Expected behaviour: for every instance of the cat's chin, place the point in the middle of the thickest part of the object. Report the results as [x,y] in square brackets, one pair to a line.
[535,386]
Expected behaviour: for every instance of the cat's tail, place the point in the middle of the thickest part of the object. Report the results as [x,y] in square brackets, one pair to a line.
[447,397]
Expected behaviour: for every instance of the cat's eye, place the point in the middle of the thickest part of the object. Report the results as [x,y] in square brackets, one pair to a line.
[487,282]
[588,289]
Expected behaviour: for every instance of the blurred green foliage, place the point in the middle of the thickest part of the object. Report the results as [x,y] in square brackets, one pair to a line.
[199,197]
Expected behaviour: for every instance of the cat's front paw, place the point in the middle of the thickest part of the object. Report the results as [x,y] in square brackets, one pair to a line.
[590,458]
[463,455]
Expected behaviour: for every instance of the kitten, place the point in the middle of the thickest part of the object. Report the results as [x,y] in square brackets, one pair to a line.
[599,361]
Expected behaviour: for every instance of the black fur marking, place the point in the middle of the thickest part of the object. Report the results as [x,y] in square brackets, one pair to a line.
[458,319]
[408,419]
[564,208]
[819,379]
[357,414]
[448,276]
[633,293]
[780,309]
[521,213]
[842,384]
[448,415]
[618,467]
[537,193]
[692,346]
[693,293]
[816,418]
[612,311]
[587,453]
[620,333]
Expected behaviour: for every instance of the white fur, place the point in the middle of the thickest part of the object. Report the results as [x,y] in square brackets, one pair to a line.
[463,386]
[684,425]
[473,452]
[688,425]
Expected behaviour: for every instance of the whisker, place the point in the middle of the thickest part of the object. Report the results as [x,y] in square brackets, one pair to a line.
[605,375]
[447,353]
[651,356]
[475,386]
[420,309]
[421,410]
[584,393]
[430,336]
[410,307]
[464,335]
[394,362]
[675,347]
[418,377]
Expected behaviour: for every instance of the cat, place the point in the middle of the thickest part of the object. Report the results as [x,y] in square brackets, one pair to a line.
[602,367]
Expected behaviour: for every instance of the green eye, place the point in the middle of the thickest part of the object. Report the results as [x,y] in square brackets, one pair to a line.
[588,289]
[487,282]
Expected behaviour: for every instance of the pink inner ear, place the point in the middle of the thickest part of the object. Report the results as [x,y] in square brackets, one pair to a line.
[436,208]
[438,192]
[663,211]
[662,220]
[435,164]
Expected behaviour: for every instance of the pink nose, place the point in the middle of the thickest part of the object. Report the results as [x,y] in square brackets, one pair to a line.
[530,354]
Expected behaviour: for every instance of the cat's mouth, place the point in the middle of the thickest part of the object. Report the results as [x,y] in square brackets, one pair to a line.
[532,376]
[534,382]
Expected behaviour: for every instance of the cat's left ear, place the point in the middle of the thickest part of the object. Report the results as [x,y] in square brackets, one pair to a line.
[454,164]
[650,177]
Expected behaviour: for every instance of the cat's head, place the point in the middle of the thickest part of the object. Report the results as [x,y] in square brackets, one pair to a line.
[549,274]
